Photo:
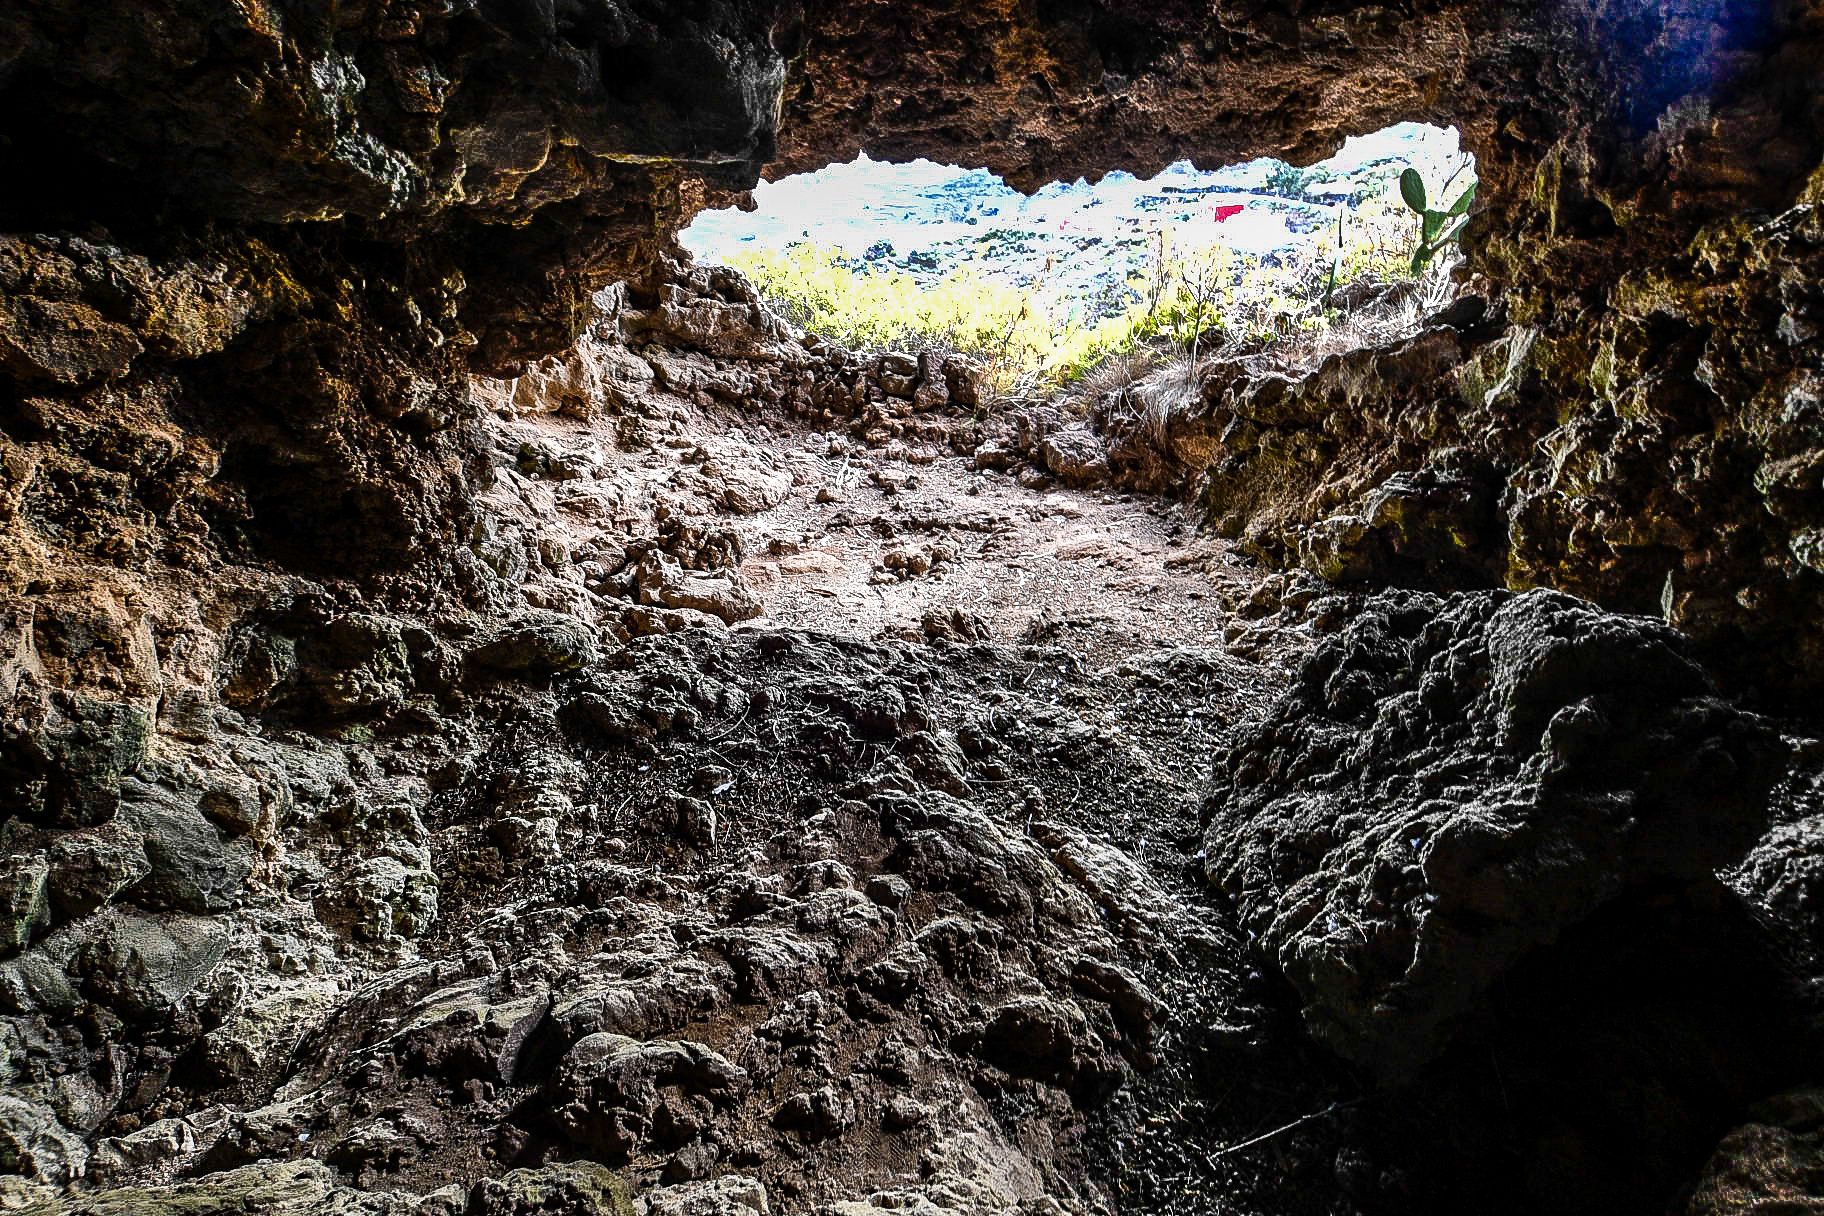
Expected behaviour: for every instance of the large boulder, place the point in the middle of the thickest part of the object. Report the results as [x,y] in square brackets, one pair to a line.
[619,1096]
[285,1188]
[537,645]
[1455,783]
[582,1187]
[1772,1163]
[193,865]
[142,967]
[63,756]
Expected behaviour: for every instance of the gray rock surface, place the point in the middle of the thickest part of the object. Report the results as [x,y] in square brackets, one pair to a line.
[1453,784]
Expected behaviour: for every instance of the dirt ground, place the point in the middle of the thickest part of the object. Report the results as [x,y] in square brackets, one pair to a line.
[907,535]
[911,540]
[1073,643]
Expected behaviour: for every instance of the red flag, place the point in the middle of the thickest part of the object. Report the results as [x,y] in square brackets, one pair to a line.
[1229,212]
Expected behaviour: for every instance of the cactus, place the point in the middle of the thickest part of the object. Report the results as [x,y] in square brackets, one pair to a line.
[1436,228]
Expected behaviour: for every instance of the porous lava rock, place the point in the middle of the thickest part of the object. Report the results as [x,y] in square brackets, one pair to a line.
[517,139]
[1480,837]
[380,837]
[1453,784]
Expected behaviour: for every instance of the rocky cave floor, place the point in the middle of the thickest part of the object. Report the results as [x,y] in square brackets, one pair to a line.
[870,806]
[863,870]
[970,713]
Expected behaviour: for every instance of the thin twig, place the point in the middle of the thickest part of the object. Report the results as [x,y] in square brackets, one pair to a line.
[1280,1131]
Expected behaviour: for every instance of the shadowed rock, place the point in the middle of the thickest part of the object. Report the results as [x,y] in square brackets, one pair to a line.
[1453,784]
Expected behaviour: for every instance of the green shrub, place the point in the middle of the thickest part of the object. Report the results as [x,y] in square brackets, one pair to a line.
[1192,296]
[1287,181]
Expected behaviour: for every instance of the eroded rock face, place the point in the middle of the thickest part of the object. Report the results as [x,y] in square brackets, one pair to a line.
[1454,784]
[482,123]
[373,836]
[1596,454]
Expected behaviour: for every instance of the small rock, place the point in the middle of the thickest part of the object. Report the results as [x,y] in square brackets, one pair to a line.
[902,1113]
[89,868]
[538,646]
[194,867]
[391,898]
[141,966]
[889,890]
[733,1195]
[897,375]
[817,1115]
[1075,456]
[954,625]
[24,905]
[711,781]
[520,838]
[697,822]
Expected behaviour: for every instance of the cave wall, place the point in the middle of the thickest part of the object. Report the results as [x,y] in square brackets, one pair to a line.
[279,238]
[255,255]
[352,207]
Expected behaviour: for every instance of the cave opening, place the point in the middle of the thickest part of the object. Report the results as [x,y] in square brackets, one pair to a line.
[1168,697]
[922,403]
[1085,286]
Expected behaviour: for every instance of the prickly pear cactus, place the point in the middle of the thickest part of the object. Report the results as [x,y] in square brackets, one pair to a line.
[1436,228]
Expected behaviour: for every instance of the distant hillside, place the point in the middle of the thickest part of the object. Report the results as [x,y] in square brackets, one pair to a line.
[927,219]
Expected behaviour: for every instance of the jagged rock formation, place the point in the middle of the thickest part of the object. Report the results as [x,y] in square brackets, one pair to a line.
[1459,795]
[1452,786]
[495,162]
[371,841]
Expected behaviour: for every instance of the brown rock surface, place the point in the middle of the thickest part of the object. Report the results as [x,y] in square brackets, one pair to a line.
[402,814]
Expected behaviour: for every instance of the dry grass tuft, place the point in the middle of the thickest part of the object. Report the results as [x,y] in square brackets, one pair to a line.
[1151,404]
[1386,310]
[1115,375]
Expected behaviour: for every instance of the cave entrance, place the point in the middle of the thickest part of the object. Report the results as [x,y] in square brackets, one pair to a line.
[1044,488]
[1061,291]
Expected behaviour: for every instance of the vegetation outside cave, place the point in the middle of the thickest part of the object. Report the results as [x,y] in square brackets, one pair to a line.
[1081,290]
